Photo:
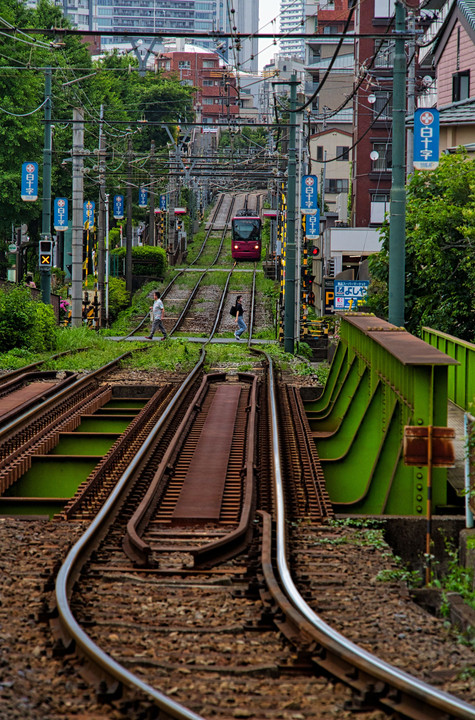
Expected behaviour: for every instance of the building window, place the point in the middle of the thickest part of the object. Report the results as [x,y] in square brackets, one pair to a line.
[461,86]
[208,83]
[383,105]
[184,65]
[382,157]
[385,56]
[383,8]
[335,186]
[319,153]
[209,64]
[379,207]
[342,152]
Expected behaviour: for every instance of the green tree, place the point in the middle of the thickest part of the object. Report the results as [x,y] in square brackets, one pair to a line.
[440,242]
[113,82]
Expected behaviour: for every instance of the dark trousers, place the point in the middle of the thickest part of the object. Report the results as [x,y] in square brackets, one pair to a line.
[158,325]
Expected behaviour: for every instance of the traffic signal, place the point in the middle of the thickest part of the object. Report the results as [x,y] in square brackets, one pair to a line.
[307,280]
[315,252]
[45,259]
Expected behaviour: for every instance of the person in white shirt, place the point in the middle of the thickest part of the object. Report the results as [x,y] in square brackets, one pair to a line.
[158,312]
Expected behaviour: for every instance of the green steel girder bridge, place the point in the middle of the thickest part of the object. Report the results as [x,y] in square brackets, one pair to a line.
[383,379]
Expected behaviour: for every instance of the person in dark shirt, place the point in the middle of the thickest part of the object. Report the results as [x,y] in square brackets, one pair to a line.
[242,327]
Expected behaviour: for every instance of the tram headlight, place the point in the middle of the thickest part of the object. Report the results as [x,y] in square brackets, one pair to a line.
[256,247]
[236,247]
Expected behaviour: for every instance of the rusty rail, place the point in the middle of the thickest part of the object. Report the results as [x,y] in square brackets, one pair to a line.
[336,654]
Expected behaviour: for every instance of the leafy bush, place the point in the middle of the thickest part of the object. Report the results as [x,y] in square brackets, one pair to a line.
[25,323]
[150,261]
[43,334]
[146,260]
[119,298]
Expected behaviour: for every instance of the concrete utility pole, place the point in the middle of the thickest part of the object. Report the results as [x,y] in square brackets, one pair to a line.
[45,272]
[151,221]
[77,223]
[289,309]
[397,221]
[128,227]
[411,91]
[102,222]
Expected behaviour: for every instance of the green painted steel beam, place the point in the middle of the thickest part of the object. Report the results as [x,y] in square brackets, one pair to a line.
[381,379]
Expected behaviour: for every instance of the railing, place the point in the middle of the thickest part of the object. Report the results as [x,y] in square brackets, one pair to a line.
[381,379]
[461,377]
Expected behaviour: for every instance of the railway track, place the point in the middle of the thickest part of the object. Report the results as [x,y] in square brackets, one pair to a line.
[179,595]
[34,428]
[220,610]
[219,224]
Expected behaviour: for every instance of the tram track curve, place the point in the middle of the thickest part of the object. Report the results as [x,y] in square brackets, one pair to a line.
[379,682]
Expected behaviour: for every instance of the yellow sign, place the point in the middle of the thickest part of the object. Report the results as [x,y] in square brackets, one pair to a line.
[45,260]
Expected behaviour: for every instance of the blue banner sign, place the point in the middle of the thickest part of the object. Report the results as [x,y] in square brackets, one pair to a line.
[309,195]
[349,294]
[312,226]
[118,207]
[88,213]
[426,139]
[163,202]
[29,181]
[60,214]
[143,197]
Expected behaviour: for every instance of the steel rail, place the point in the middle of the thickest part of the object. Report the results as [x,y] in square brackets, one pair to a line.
[180,272]
[80,553]
[19,382]
[28,368]
[253,302]
[29,414]
[332,640]
[137,549]
[192,296]
[236,541]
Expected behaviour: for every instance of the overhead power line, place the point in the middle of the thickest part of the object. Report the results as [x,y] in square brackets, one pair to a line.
[177,34]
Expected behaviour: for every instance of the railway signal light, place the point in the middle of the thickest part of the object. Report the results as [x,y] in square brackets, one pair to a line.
[315,252]
[45,259]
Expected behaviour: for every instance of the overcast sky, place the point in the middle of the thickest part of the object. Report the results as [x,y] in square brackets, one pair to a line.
[268,10]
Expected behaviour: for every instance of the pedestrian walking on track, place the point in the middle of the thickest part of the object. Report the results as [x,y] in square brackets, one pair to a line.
[157,314]
[242,327]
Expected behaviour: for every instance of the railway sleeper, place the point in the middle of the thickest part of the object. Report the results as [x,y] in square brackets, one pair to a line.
[369,692]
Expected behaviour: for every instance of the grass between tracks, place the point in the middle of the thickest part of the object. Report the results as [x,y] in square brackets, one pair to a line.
[175,354]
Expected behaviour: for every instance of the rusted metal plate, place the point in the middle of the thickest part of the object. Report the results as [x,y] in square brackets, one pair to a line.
[202,492]
[410,350]
[19,397]
[368,323]
[416,446]
[407,348]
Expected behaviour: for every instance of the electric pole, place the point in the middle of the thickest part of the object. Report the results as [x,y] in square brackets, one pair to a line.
[128,227]
[77,223]
[151,220]
[102,222]
[411,91]
[397,222]
[289,309]
[45,272]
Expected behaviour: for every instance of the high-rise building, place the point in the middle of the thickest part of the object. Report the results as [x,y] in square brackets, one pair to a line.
[292,19]
[206,17]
